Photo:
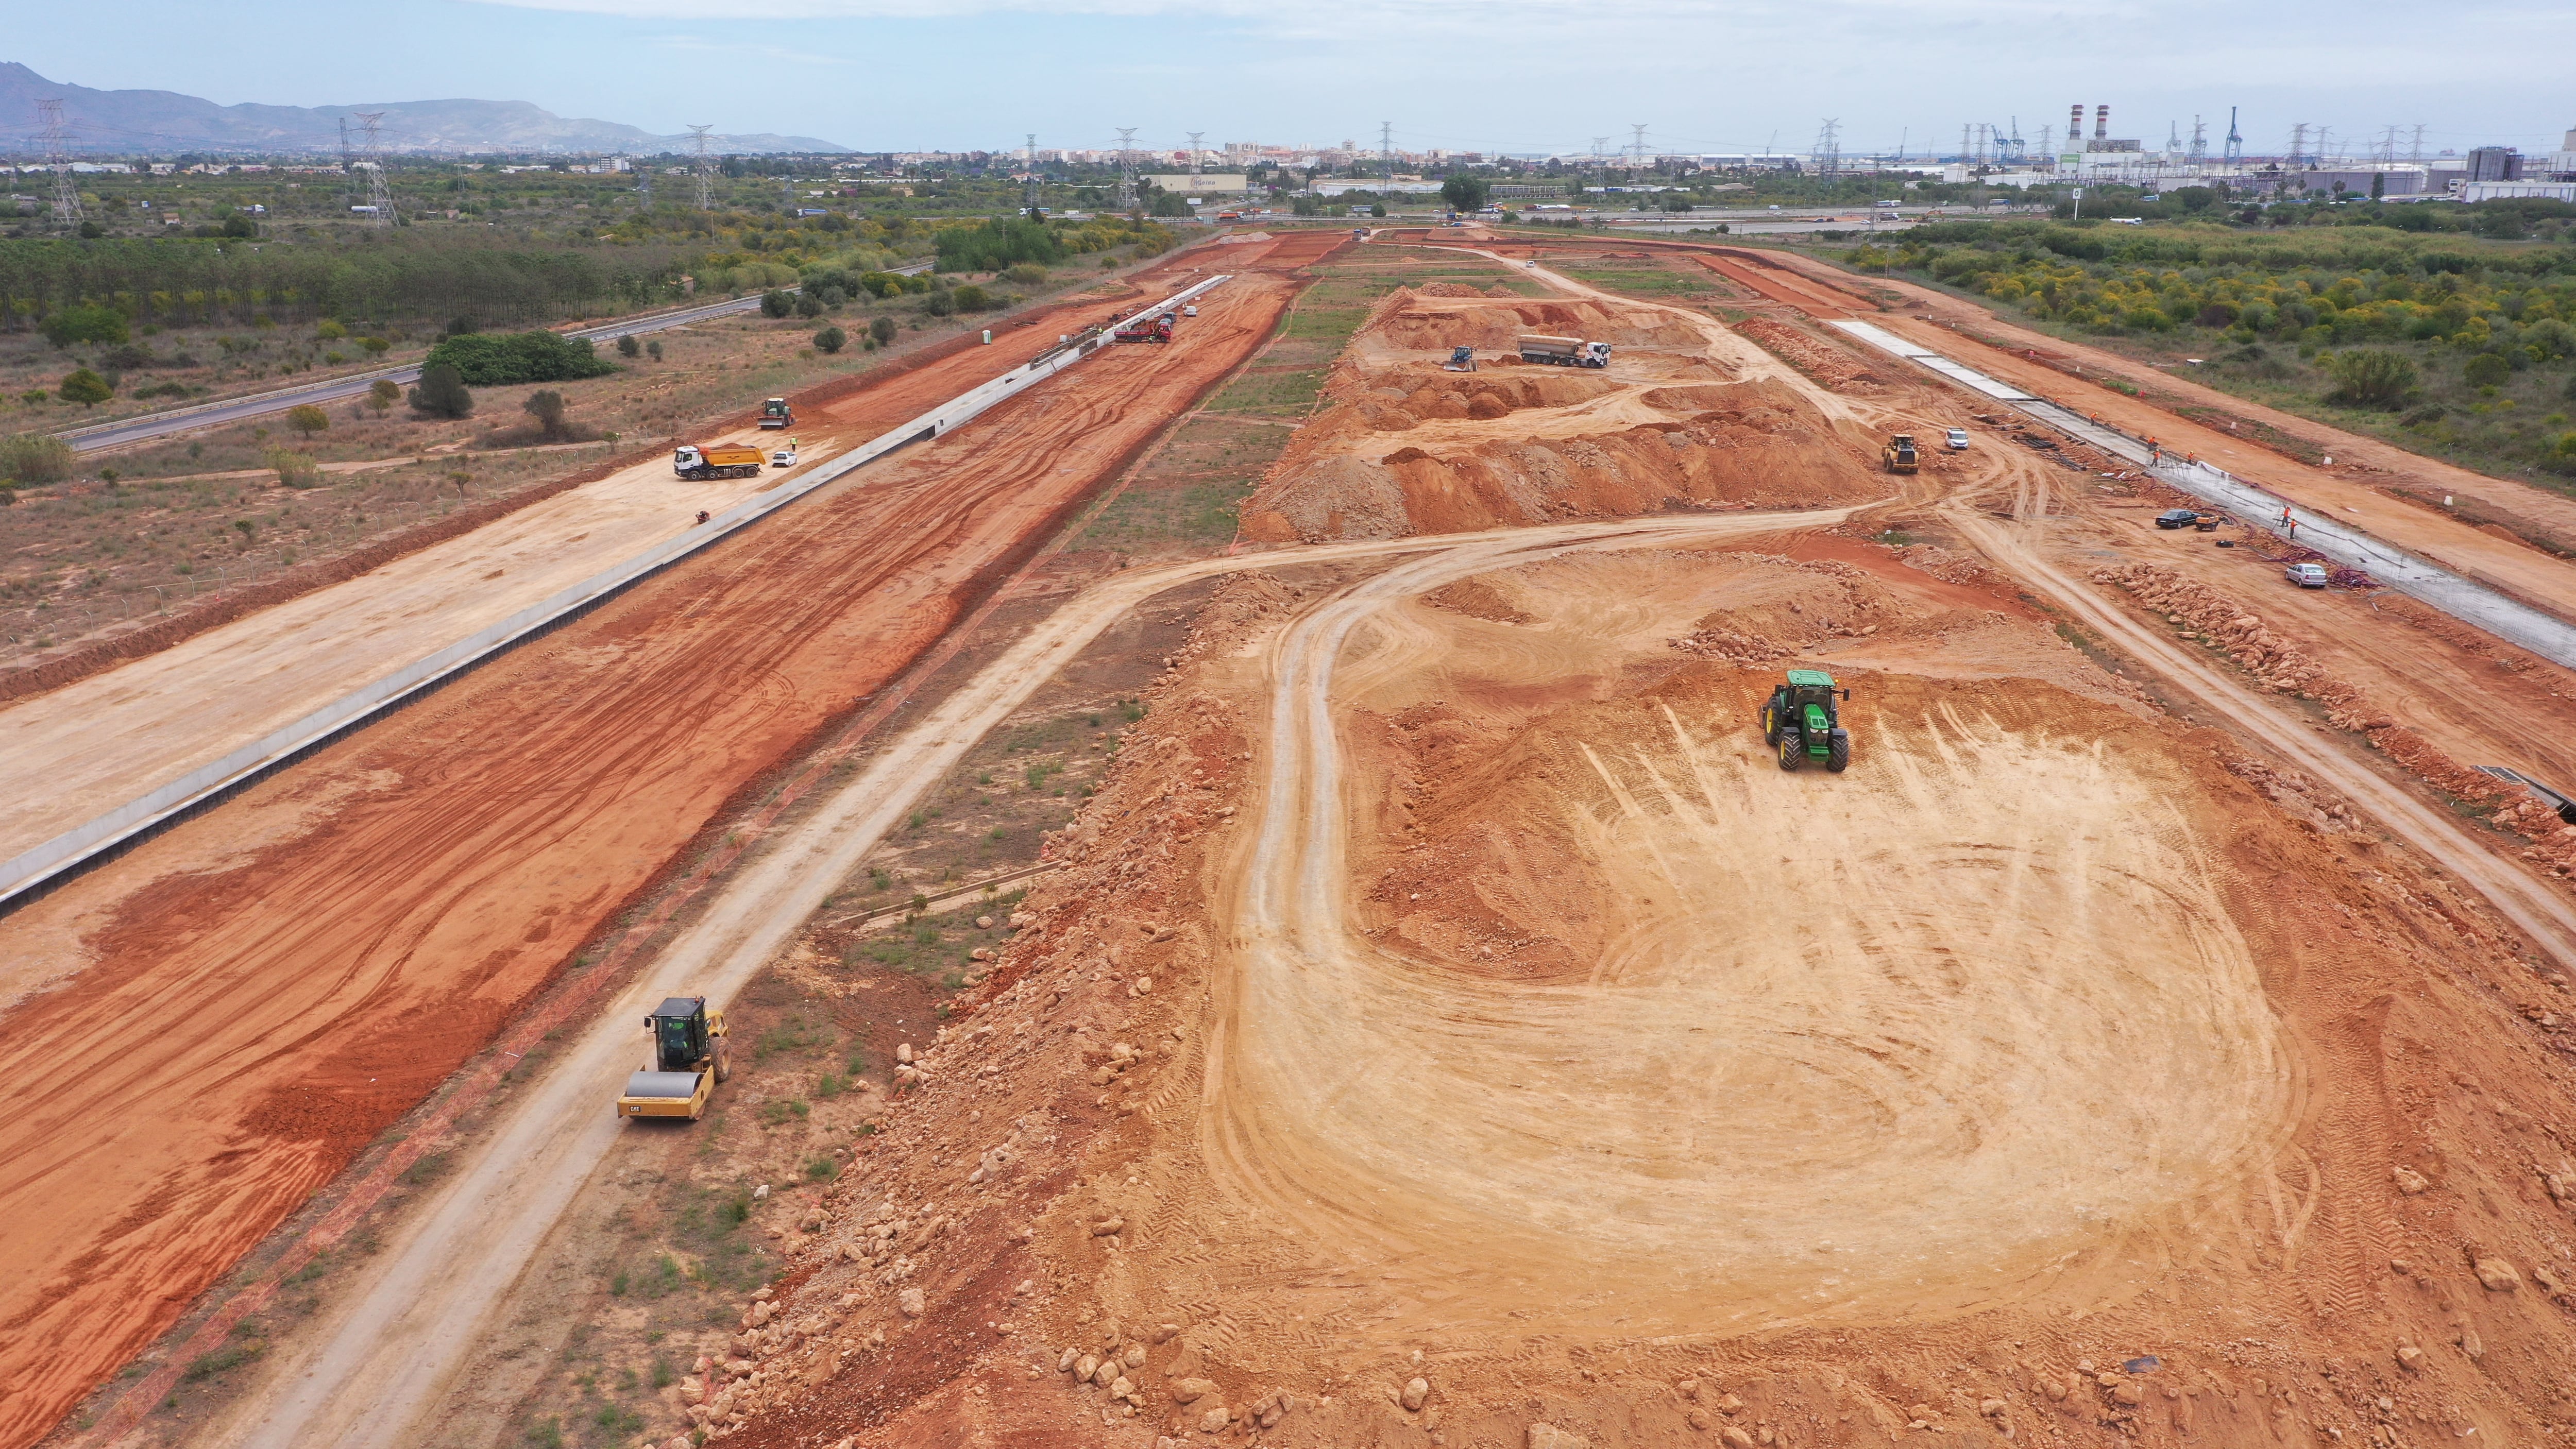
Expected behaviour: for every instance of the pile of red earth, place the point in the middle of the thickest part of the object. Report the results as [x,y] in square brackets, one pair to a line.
[1827,364]
[2280,666]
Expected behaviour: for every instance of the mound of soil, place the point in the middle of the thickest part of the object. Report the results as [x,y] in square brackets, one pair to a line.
[1743,443]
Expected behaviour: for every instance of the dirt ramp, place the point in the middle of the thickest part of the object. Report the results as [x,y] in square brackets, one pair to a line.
[1726,444]
[1427,321]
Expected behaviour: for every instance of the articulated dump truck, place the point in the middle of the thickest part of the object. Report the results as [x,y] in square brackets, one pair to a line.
[698,462]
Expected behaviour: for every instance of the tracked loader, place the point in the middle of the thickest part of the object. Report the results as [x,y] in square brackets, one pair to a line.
[690,1055]
[1801,722]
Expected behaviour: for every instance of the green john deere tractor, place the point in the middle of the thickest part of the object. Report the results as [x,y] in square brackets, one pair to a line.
[1800,721]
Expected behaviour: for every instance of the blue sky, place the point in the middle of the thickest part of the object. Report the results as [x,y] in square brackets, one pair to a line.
[1520,75]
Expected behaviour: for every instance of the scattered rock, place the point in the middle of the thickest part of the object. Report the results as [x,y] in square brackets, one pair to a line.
[1737,1439]
[1106,1373]
[1106,1226]
[1415,1392]
[1166,1333]
[2409,1357]
[2409,1181]
[1084,1367]
[903,1053]
[1190,1391]
[983,923]
[1065,1363]
[1697,1417]
[1991,1408]
[1121,1386]
[1134,1357]
[1730,1404]
[909,1300]
[2497,1274]
[1548,1436]
[1214,1420]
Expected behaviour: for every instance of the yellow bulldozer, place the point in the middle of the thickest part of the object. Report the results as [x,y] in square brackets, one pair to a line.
[690,1055]
[1900,455]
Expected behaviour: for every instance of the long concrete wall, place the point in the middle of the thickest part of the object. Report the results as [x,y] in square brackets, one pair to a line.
[68,851]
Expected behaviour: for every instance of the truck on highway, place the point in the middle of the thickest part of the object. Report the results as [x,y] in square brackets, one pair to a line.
[1147,329]
[698,462]
[1564,351]
[776,414]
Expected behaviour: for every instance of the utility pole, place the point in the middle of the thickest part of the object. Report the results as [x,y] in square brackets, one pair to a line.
[379,195]
[1032,160]
[1126,168]
[706,201]
[1194,158]
[1386,150]
[1637,147]
[2417,153]
[1601,162]
[67,207]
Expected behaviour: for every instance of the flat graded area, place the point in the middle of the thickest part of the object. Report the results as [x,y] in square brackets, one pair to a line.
[240,1004]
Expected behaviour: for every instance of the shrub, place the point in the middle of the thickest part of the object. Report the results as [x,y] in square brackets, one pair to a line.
[2372,377]
[539,356]
[382,394]
[441,393]
[35,458]
[329,330]
[882,330]
[939,304]
[2487,369]
[653,349]
[776,303]
[376,346]
[295,470]
[808,305]
[971,298]
[85,387]
[84,324]
[1001,241]
[627,346]
[831,339]
[1026,274]
[307,419]
[547,407]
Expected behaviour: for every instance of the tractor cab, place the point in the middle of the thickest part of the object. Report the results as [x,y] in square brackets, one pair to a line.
[690,1055]
[1800,720]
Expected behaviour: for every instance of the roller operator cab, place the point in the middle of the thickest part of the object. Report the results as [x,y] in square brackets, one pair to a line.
[690,1055]
[1801,722]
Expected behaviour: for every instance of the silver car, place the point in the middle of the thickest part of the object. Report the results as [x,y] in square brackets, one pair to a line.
[2307,575]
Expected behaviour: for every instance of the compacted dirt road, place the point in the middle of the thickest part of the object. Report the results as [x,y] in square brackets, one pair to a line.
[246,1001]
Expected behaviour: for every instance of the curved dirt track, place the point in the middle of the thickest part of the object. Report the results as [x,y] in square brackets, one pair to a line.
[380,1364]
[246,1017]
[2017,919]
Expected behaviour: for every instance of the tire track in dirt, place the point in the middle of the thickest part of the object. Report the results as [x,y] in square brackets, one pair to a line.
[240,1035]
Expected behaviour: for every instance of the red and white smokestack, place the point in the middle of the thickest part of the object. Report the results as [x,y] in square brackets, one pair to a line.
[2101,122]
[2074,125]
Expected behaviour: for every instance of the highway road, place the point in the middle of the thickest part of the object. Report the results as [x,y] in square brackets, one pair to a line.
[101,436]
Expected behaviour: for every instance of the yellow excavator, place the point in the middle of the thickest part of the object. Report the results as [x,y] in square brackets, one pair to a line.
[1900,456]
[690,1055]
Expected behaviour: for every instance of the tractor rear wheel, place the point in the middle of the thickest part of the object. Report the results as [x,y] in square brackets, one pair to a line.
[1838,756]
[1793,751]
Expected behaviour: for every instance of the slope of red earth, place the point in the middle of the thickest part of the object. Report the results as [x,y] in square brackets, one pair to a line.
[276,982]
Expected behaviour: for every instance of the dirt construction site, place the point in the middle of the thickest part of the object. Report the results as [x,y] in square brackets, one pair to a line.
[1364,980]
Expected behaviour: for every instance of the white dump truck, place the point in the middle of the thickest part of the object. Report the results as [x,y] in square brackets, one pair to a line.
[1564,351]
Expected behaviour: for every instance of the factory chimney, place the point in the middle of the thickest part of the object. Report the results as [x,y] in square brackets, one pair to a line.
[2075,126]
[2102,122]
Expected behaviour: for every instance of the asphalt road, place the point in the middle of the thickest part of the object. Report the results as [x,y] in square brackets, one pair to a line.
[102,436]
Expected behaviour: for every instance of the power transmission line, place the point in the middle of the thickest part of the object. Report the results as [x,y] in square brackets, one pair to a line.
[1829,149]
[1637,146]
[1194,157]
[379,195]
[1126,168]
[67,207]
[705,196]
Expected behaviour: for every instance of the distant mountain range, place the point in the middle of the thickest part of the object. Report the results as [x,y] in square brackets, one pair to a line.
[165,122]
